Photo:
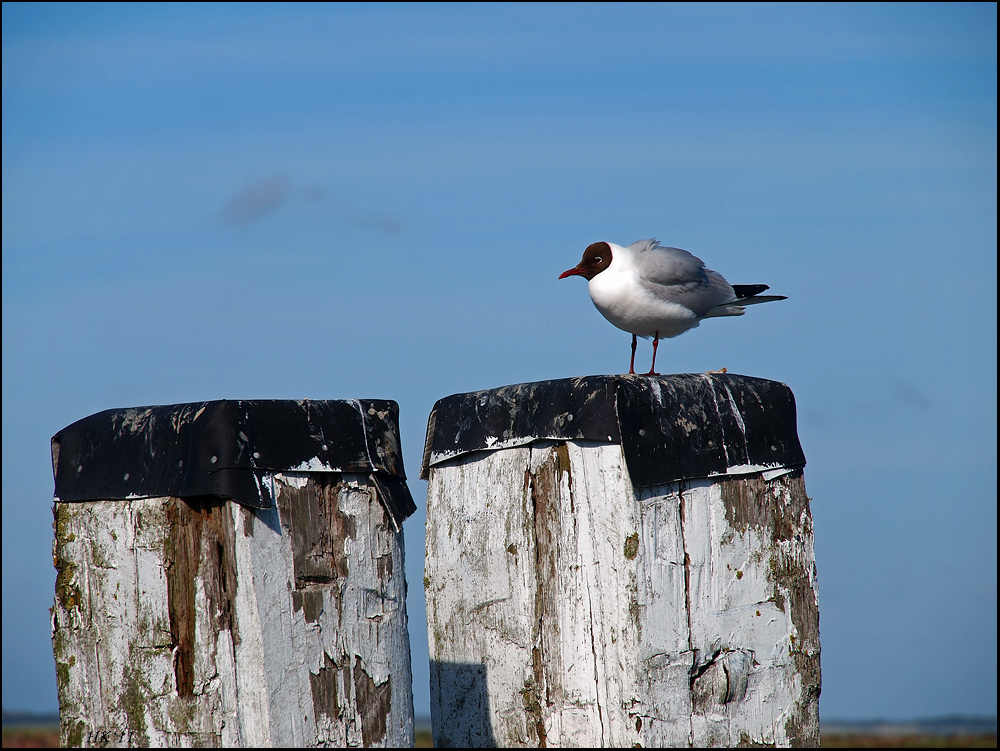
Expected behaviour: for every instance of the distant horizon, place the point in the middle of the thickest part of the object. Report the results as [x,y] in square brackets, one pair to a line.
[426,719]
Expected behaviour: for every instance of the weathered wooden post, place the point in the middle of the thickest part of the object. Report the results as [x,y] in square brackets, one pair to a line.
[230,573]
[621,560]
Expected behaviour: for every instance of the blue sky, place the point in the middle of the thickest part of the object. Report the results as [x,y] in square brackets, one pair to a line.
[313,201]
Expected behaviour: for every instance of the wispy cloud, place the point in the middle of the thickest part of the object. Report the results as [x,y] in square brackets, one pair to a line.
[381,222]
[349,215]
[269,196]
[256,201]
[909,395]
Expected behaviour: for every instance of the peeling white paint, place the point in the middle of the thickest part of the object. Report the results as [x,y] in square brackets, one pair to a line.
[493,443]
[252,688]
[752,469]
[293,479]
[774,474]
[315,465]
[646,589]
[438,458]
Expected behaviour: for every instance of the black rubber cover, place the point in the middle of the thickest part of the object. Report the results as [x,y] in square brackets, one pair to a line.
[671,428]
[223,448]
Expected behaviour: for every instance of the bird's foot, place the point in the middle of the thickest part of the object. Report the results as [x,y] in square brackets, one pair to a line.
[720,371]
[651,373]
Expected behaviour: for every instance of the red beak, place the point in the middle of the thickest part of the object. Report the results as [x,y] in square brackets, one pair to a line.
[572,272]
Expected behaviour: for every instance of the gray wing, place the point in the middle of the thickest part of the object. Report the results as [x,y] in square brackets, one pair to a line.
[677,276]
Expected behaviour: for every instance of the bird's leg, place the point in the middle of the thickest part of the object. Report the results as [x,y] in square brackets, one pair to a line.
[631,363]
[656,342]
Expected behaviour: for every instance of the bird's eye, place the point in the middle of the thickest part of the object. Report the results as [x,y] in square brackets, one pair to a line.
[597,259]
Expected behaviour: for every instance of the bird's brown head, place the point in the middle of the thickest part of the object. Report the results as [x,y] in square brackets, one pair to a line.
[596,258]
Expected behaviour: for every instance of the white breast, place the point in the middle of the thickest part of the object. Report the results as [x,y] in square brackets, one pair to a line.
[627,303]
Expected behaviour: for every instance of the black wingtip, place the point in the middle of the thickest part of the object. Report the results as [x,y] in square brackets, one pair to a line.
[749,290]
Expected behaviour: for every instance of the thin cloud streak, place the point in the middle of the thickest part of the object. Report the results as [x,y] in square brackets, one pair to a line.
[273,194]
[256,201]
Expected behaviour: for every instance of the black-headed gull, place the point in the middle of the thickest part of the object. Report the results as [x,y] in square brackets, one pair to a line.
[651,291]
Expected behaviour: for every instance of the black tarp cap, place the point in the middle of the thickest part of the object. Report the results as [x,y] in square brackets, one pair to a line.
[671,428]
[225,447]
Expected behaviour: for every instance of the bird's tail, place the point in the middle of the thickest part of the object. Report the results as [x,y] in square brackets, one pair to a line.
[746,294]
[754,299]
[749,290]
[750,294]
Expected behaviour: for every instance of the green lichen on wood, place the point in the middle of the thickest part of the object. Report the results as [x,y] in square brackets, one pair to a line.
[72,733]
[747,742]
[632,546]
[62,670]
[132,700]
[785,574]
[635,611]
[97,557]
[61,519]
[67,591]
[802,726]
[533,712]
[183,713]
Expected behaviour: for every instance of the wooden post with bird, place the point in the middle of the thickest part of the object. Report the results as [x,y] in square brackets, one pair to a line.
[621,561]
[230,573]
